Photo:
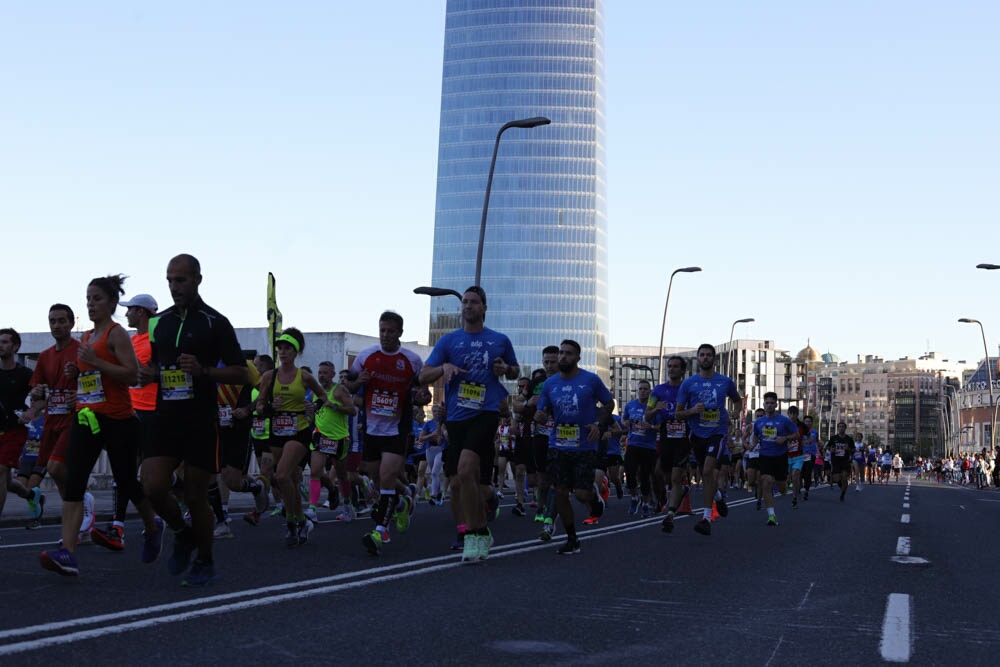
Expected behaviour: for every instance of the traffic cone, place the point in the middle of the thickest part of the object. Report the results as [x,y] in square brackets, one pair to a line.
[685,507]
[715,512]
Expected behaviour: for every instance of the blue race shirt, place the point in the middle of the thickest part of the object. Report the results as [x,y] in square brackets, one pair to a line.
[640,433]
[768,429]
[810,446]
[427,429]
[712,392]
[478,390]
[573,405]
[615,442]
[667,393]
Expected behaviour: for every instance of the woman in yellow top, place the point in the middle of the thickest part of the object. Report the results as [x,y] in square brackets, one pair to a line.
[284,390]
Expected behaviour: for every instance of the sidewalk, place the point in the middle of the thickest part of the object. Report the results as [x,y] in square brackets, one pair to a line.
[15,512]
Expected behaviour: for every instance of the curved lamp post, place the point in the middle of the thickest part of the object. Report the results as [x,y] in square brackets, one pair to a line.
[989,376]
[666,304]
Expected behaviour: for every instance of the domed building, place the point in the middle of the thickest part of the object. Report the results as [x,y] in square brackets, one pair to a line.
[808,354]
[831,358]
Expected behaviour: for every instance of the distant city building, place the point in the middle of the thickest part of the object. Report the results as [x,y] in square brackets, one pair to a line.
[545,258]
[975,414]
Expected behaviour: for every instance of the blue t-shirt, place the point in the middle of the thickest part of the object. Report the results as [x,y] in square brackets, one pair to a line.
[478,389]
[640,433]
[712,392]
[427,429]
[573,404]
[809,444]
[768,429]
[615,441]
[670,427]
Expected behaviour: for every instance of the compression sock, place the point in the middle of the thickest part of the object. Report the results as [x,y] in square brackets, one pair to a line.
[315,486]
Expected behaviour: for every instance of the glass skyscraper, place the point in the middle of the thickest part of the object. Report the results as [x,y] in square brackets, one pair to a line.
[545,260]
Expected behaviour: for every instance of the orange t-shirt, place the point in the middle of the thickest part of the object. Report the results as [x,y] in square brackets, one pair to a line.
[143,398]
[98,391]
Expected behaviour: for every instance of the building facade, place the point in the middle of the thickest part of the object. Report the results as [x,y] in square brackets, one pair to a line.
[545,266]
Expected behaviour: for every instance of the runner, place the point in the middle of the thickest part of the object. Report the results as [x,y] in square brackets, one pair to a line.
[471,361]
[139,309]
[796,457]
[188,340]
[701,400]
[260,436]
[387,371]
[544,492]
[521,433]
[283,397]
[810,448]
[753,459]
[332,438]
[842,452]
[858,461]
[572,399]
[640,454]
[433,434]
[675,444]
[897,465]
[885,466]
[15,385]
[105,367]
[772,434]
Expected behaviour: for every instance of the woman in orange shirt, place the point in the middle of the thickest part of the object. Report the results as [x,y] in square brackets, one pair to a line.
[106,366]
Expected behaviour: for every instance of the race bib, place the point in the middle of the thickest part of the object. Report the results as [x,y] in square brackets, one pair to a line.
[840,450]
[770,432]
[175,384]
[793,446]
[385,404]
[259,427]
[31,448]
[568,435]
[676,429]
[225,415]
[710,417]
[284,424]
[471,395]
[327,445]
[89,388]
[58,403]
[544,429]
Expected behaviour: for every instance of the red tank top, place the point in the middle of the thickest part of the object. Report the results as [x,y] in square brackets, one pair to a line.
[98,391]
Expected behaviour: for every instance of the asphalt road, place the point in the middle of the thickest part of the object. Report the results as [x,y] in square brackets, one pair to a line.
[834,584]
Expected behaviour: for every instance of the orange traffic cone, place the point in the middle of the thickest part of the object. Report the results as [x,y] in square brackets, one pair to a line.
[685,507]
[715,512]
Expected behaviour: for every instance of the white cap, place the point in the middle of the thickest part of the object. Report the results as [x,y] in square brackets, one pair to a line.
[142,301]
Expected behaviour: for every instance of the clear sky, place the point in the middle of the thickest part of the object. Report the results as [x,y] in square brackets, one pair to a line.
[832,166]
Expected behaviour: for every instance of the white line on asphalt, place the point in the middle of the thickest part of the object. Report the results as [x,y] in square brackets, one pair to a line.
[905,518]
[896,644]
[806,596]
[264,594]
[775,651]
[984,500]
[49,543]
[903,546]
[906,506]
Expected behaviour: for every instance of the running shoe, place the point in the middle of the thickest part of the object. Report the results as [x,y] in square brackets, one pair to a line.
[347,514]
[470,548]
[539,516]
[457,544]
[311,513]
[33,524]
[252,517]
[605,491]
[403,515]
[111,538]
[291,535]
[60,561]
[88,517]
[278,510]
[485,542]
[222,531]
[633,506]
[704,527]
[772,520]
[305,528]
[373,542]
[152,543]
[201,574]
[518,509]
[548,530]
[795,503]
[569,548]
[721,507]
[260,497]
[805,496]
[668,523]
[36,503]
[180,559]
[647,511]
[591,521]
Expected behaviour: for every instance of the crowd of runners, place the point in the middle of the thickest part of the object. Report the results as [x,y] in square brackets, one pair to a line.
[181,413]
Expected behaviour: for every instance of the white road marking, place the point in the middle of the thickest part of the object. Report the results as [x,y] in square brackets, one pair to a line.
[806,596]
[48,543]
[906,506]
[903,546]
[910,560]
[905,518]
[896,644]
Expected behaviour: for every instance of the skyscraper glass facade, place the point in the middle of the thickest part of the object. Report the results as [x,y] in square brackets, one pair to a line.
[545,264]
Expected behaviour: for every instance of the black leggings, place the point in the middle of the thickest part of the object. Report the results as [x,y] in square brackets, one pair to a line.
[120,437]
[641,461]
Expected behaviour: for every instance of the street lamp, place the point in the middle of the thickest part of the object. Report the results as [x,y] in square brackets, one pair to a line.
[729,350]
[437,291]
[640,367]
[956,424]
[989,376]
[988,267]
[527,124]
[663,328]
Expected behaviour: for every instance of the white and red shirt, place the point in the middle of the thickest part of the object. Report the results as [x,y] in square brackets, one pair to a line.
[387,393]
